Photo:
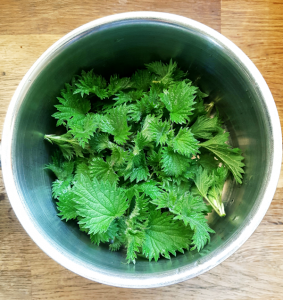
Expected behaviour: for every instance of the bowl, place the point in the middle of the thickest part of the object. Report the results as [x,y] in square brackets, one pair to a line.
[121,44]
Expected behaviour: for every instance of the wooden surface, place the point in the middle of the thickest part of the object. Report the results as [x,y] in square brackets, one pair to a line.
[29,27]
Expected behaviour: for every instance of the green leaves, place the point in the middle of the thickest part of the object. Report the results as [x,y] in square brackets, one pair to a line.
[99,142]
[118,156]
[85,129]
[81,169]
[204,127]
[141,80]
[150,188]
[60,187]
[189,209]
[130,169]
[98,203]
[179,100]
[66,206]
[199,225]
[67,144]
[149,103]
[140,143]
[156,130]
[102,170]
[215,193]
[230,157]
[115,123]
[130,96]
[136,225]
[118,84]
[174,164]
[164,72]
[72,108]
[185,143]
[136,168]
[91,83]
[164,236]
[205,182]
[192,212]
[62,169]
[105,237]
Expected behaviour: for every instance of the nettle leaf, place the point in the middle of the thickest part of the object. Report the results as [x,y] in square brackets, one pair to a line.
[61,168]
[174,164]
[119,155]
[115,123]
[66,143]
[184,187]
[156,130]
[151,103]
[132,192]
[173,195]
[125,97]
[185,143]
[141,143]
[135,159]
[154,159]
[150,188]
[136,224]
[141,80]
[178,74]
[136,168]
[179,101]
[164,236]
[189,209]
[231,157]
[167,199]
[136,111]
[201,95]
[84,129]
[72,107]
[120,238]
[66,206]
[60,187]
[82,168]
[102,170]
[99,142]
[204,181]
[135,239]
[105,237]
[199,110]
[91,83]
[138,173]
[118,84]
[215,192]
[98,203]
[198,224]
[208,161]
[164,72]
[204,127]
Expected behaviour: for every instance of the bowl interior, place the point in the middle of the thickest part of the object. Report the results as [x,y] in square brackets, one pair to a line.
[122,47]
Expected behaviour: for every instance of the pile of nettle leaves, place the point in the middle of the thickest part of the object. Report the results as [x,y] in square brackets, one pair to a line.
[142,161]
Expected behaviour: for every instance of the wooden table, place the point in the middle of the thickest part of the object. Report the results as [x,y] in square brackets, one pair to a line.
[27,29]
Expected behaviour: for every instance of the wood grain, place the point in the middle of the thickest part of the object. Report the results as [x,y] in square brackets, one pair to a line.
[27,29]
[17,54]
[257,28]
[57,17]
